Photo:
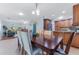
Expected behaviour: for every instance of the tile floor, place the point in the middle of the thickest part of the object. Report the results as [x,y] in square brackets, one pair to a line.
[10,47]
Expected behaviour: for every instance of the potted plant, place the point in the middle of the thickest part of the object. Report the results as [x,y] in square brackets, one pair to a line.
[36,35]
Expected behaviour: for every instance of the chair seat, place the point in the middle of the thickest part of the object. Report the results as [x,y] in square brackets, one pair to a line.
[36,51]
[61,51]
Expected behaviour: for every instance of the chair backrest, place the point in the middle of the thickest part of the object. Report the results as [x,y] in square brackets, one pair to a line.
[69,42]
[26,42]
[20,42]
[30,38]
[30,34]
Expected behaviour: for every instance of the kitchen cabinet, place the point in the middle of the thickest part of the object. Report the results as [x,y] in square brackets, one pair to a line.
[76,15]
[66,36]
[58,25]
[63,24]
[75,42]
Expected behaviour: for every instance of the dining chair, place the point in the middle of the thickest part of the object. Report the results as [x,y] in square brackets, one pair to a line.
[26,42]
[30,38]
[20,43]
[66,48]
[34,50]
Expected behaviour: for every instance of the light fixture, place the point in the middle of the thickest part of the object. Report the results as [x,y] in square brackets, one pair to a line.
[36,11]
[25,22]
[33,12]
[61,17]
[21,14]
[63,12]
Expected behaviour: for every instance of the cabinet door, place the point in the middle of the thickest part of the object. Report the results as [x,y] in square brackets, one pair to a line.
[68,23]
[66,37]
[61,24]
[75,41]
[76,15]
[56,23]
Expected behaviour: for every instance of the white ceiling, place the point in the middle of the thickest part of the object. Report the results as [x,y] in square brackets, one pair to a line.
[11,10]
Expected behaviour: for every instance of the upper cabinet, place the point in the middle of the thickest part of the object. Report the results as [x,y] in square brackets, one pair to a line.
[47,24]
[76,15]
[63,24]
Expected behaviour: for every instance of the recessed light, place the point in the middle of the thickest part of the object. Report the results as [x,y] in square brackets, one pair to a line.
[25,22]
[63,11]
[21,14]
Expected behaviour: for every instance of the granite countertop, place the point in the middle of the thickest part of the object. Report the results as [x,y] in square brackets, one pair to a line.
[67,31]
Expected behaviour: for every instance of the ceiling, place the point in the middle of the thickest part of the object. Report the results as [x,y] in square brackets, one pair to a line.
[47,10]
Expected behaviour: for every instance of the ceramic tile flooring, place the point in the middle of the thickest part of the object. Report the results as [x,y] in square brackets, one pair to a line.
[10,47]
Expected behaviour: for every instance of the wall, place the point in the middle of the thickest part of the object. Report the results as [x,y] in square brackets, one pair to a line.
[11,23]
[1,32]
[39,25]
[16,24]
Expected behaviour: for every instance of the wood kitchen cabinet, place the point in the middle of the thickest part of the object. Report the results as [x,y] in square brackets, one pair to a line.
[66,36]
[58,25]
[76,15]
[75,41]
[63,24]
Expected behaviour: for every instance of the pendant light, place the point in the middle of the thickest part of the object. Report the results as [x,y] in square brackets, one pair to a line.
[36,11]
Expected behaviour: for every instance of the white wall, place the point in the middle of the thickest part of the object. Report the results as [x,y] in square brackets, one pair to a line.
[40,25]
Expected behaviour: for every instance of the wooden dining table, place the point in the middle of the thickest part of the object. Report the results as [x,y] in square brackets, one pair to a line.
[48,45]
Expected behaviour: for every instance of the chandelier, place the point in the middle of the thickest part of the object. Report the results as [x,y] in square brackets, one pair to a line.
[36,11]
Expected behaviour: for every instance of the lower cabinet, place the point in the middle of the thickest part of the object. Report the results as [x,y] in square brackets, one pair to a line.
[75,42]
[66,36]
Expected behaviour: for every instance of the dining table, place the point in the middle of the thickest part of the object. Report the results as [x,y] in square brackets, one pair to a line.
[49,45]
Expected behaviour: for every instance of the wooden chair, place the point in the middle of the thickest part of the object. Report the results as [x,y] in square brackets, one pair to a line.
[66,49]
